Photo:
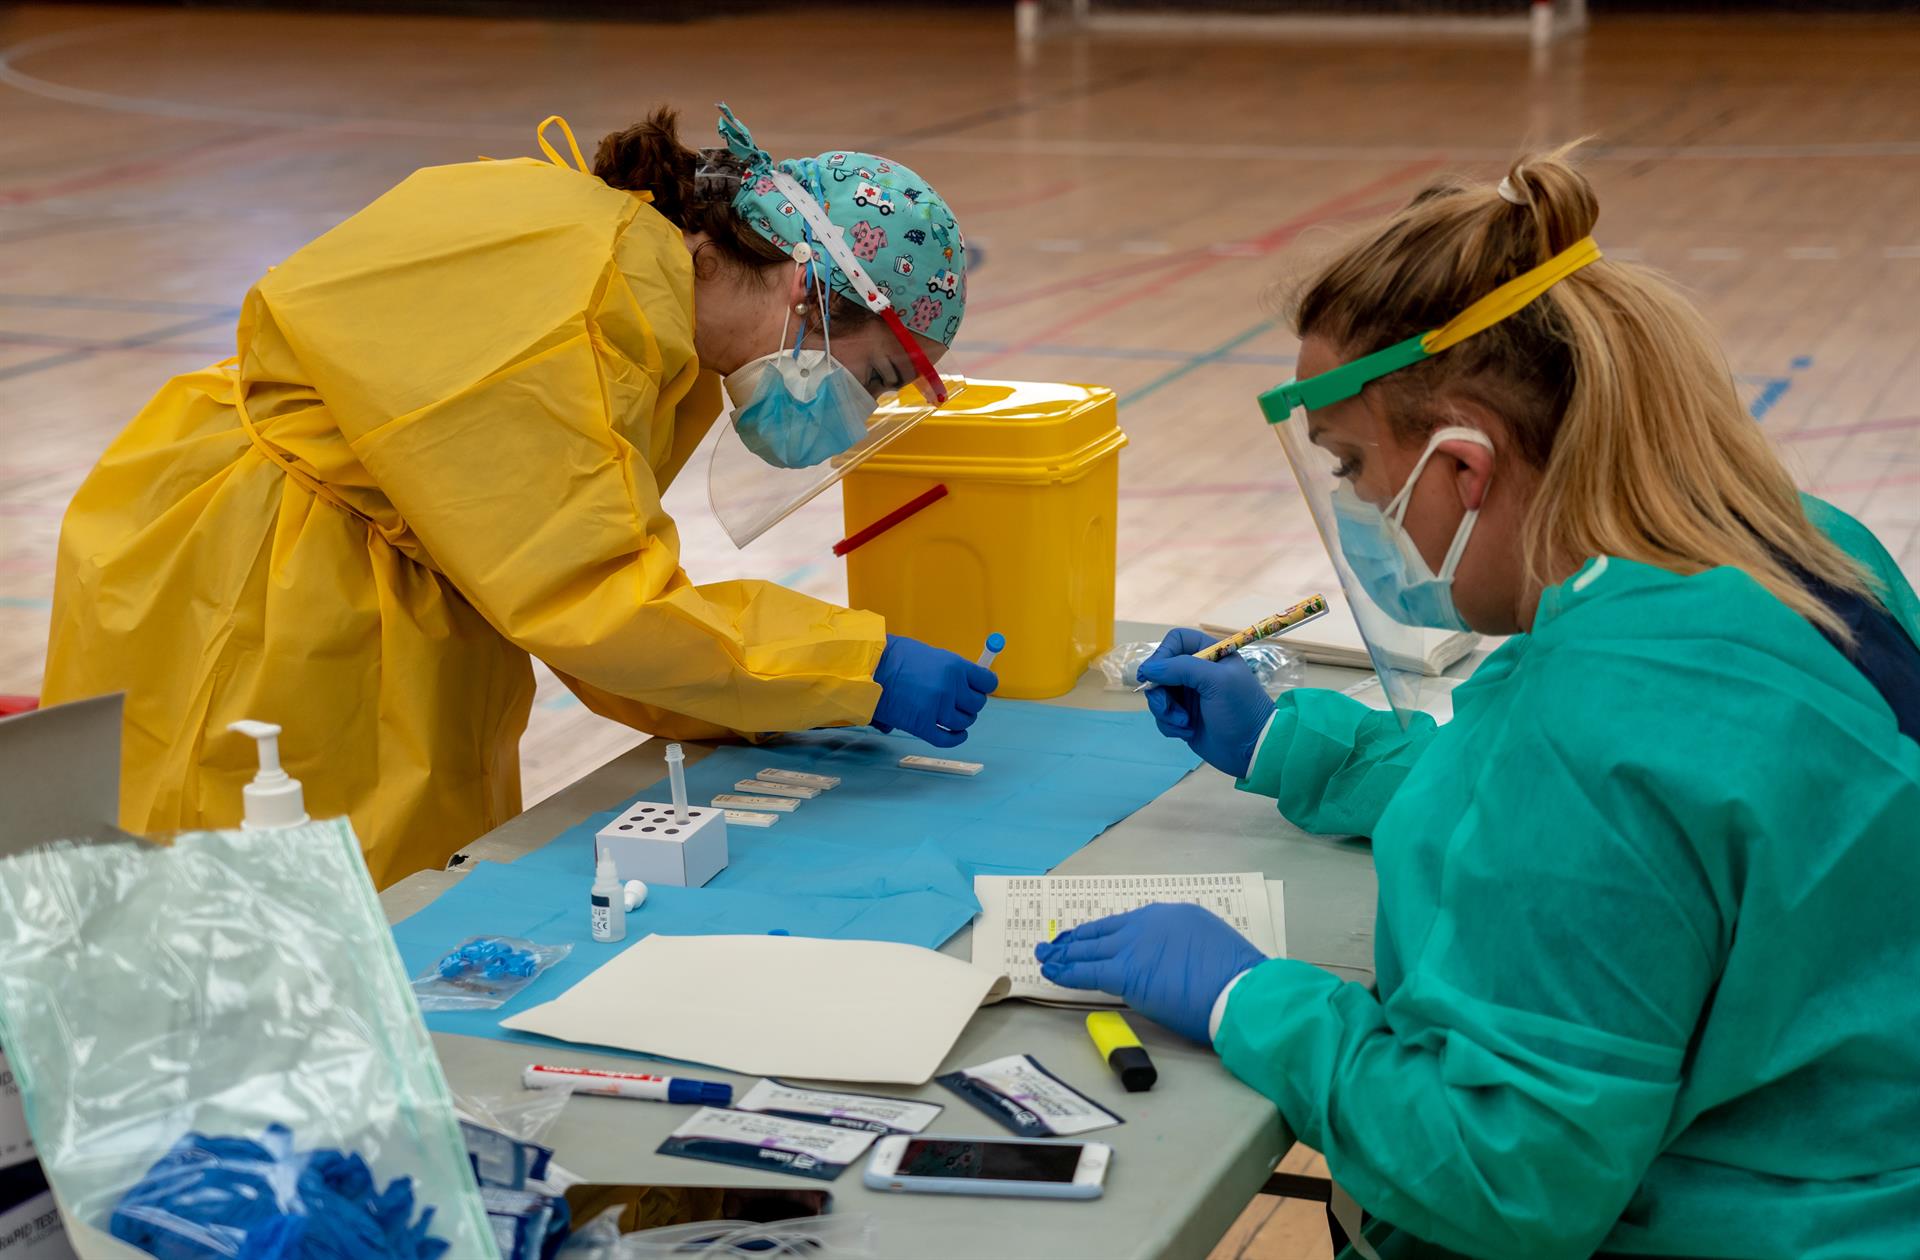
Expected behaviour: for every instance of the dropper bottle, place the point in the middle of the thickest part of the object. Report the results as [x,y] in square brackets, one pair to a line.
[608,902]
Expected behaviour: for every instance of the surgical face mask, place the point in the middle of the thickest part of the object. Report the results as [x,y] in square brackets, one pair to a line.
[796,408]
[1383,556]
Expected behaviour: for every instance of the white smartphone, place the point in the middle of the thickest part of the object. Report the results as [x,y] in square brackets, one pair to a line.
[989,1166]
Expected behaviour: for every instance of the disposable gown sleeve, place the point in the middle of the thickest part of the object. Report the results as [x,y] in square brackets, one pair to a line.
[574,560]
[1511,1095]
[1332,763]
[509,350]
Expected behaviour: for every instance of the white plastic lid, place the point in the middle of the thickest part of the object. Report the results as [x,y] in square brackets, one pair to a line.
[274,799]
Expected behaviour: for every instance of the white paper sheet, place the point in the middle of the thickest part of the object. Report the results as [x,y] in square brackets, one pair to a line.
[775,1006]
[1018,912]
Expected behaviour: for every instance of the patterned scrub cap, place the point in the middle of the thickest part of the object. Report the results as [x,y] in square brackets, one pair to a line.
[893,221]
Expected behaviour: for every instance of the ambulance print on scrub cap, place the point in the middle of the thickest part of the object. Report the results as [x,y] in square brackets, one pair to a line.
[877,233]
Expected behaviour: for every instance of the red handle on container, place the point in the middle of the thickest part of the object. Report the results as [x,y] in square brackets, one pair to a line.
[887,522]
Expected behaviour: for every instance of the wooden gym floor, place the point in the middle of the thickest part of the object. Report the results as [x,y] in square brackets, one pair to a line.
[1132,201]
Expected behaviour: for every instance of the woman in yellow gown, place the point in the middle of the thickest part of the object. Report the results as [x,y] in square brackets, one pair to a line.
[441,448]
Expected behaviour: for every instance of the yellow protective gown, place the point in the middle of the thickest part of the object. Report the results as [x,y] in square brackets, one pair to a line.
[441,448]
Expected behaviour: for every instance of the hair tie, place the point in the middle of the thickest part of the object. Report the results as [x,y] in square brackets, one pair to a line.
[1509,193]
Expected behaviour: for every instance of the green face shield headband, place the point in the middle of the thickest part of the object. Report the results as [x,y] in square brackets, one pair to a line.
[1349,379]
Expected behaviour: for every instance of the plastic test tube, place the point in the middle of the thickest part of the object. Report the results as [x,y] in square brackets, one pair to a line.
[995,642]
[676,772]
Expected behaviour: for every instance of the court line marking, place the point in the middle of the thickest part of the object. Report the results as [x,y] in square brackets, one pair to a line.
[1195,363]
[1132,150]
[67,357]
[1847,430]
[159,107]
[1193,262]
[1596,151]
[137,306]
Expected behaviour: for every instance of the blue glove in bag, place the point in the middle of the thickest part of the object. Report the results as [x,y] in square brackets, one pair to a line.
[215,1197]
[929,692]
[218,1050]
[1218,707]
[1169,961]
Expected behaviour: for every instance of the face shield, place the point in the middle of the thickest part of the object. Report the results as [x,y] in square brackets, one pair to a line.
[1349,528]
[801,420]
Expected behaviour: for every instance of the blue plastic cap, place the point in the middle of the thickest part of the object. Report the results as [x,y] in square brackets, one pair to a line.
[704,1093]
[995,642]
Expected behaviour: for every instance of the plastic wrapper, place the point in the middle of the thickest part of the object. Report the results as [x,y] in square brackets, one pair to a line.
[521,1185]
[483,972]
[229,993]
[832,1237]
[1277,669]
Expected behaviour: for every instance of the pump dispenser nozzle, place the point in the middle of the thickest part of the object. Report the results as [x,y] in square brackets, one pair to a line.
[274,798]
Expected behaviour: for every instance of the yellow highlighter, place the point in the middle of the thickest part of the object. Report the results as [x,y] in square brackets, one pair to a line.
[1122,1050]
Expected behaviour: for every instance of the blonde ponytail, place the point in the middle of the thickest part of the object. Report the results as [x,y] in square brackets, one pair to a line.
[1611,384]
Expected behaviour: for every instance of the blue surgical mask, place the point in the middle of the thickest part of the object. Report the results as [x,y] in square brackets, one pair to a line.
[1390,567]
[798,408]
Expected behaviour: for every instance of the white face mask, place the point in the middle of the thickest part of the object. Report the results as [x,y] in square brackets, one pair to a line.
[1377,547]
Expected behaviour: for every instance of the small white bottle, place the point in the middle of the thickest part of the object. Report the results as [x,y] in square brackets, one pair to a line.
[608,902]
[274,798]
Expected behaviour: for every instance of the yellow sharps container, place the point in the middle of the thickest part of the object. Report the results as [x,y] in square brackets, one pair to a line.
[1023,542]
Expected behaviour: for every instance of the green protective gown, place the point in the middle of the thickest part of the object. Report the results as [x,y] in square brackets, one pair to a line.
[1647,944]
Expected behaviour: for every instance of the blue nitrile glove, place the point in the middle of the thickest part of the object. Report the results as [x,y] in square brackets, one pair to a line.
[929,692]
[1169,961]
[1218,707]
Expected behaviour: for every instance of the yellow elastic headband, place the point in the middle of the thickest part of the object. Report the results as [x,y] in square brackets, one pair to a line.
[1348,379]
[1511,296]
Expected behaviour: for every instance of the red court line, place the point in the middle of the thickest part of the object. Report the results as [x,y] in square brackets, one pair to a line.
[1127,270]
[1199,260]
[177,162]
[1869,483]
[1842,430]
[1021,201]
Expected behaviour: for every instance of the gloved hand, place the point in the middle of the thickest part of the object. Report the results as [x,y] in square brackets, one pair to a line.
[1218,707]
[1169,961]
[929,692]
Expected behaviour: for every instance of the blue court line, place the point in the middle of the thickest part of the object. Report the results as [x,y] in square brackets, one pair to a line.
[1216,355]
[66,357]
[1141,354]
[1769,395]
[137,306]
[33,602]
[1774,388]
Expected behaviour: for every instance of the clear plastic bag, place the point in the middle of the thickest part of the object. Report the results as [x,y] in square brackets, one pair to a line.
[1277,669]
[526,1115]
[848,1237]
[483,972]
[506,1138]
[223,991]
[833,1237]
